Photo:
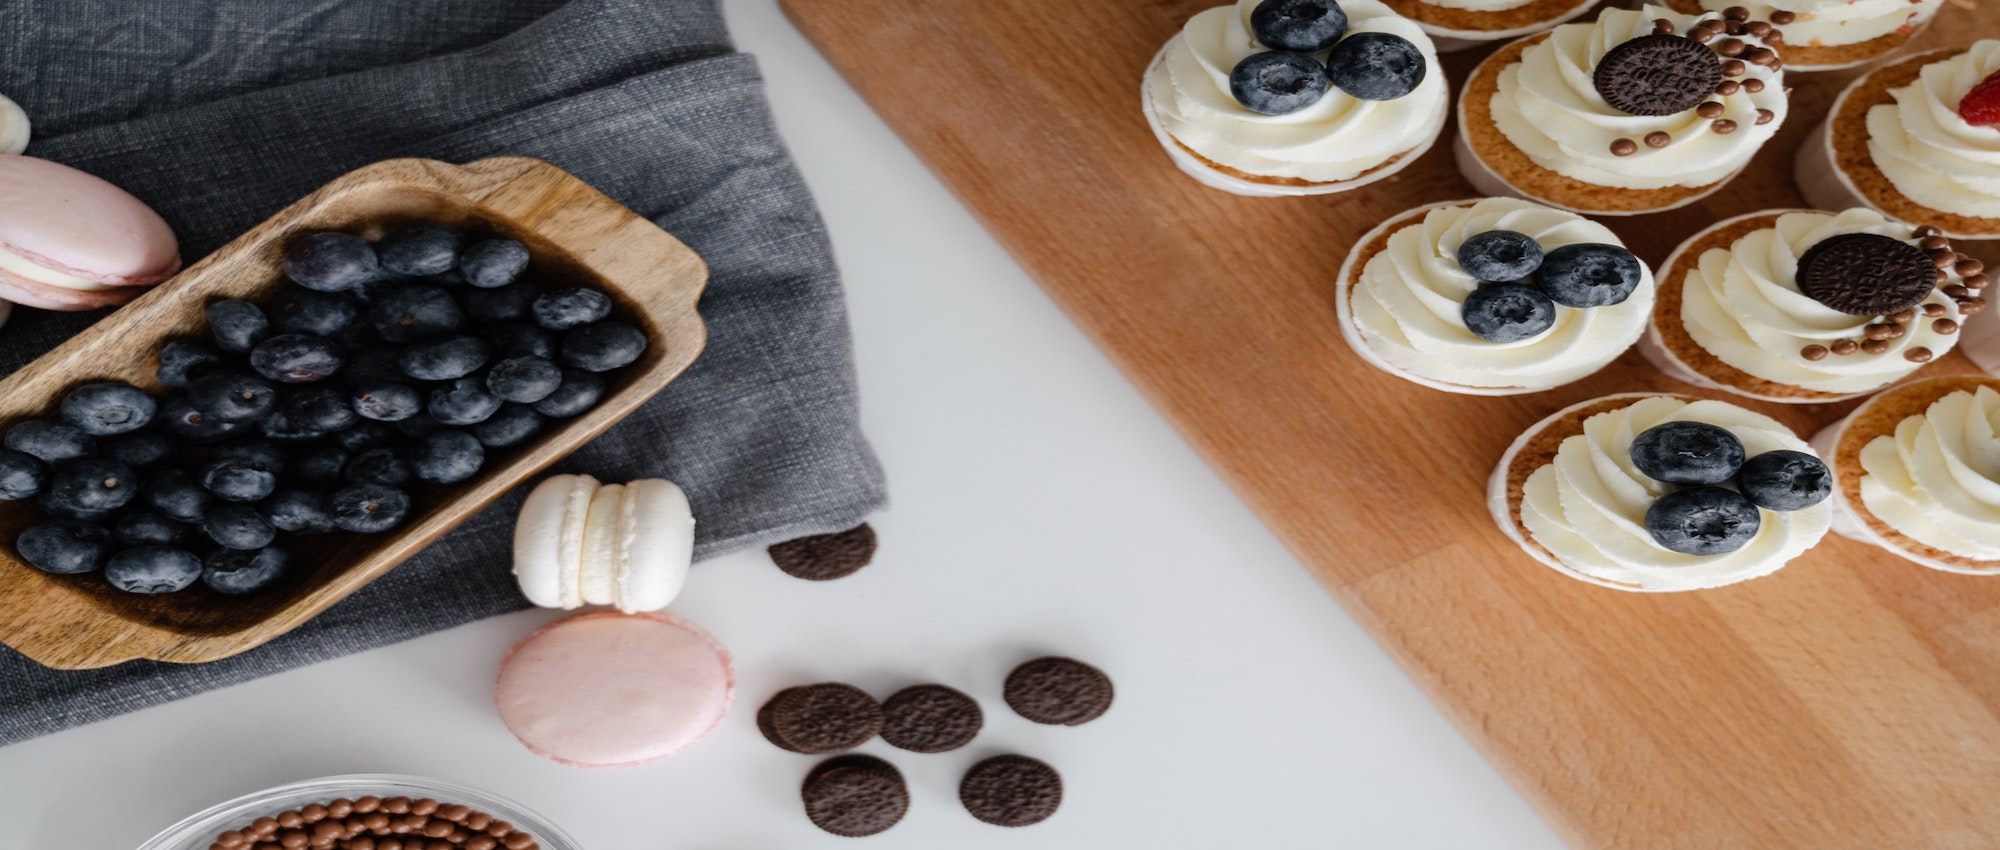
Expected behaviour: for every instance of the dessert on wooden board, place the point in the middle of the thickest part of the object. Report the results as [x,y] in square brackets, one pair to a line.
[1276,98]
[1917,139]
[1634,112]
[1492,296]
[1806,306]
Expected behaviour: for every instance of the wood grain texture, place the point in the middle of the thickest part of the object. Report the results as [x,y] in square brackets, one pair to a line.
[1847,702]
[574,232]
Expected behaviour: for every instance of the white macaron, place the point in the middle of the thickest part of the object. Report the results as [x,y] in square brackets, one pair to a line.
[579,542]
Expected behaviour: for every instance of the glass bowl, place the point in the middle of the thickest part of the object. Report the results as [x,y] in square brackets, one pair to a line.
[198,831]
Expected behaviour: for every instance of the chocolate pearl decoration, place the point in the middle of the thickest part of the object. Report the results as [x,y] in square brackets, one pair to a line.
[1710,109]
[1968,266]
[1945,258]
[1971,305]
[1662,26]
[1734,68]
[1760,56]
[1925,230]
[1875,346]
[1933,243]
[1845,347]
[1765,116]
[1977,281]
[1946,327]
[1624,147]
[1957,290]
[1760,29]
[1879,331]
[424,807]
[1933,309]
[1700,35]
[1752,85]
[1903,317]
[1736,13]
[1782,17]
[1723,126]
[1727,87]
[1658,139]
[1731,47]
[1918,354]
[1814,352]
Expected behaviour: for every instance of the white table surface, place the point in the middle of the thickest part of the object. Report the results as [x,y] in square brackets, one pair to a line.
[1041,506]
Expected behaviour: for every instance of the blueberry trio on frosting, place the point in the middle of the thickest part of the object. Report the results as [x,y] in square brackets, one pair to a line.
[1287,77]
[1706,518]
[1521,286]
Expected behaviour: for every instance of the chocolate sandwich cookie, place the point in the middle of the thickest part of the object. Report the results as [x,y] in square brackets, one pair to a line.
[817,719]
[1011,791]
[1058,691]
[930,719]
[825,557]
[855,796]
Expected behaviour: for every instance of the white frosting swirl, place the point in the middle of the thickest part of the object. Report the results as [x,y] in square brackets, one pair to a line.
[1548,106]
[1407,303]
[1831,23]
[1336,139]
[1937,480]
[1588,507]
[1743,305]
[1927,150]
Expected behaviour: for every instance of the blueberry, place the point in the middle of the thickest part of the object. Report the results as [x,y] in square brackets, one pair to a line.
[1276,82]
[239,571]
[238,480]
[493,263]
[447,457]
[147,527]
[298,511]
[176,494]
[233,396]
[152,569]
[91,484]
[330,262]
[1785,480]
[22,475]
[183,360]
[375,364]
[262,453]
[369,508]
[513,425]
[562,309]
[319,407]
[180,418]
[106,408]
[1376,66]
[414,312]
[518,339]
[444,358]
[602,347]
[1590,275]
[420,249]
[1687,453]
[386,402]
[297,358]
[378,466]
[64,546]
[51,442]
[1500,256]
[237,325]
[525,379]
[464,402]
[580,391]
[238,527]
[505,304]
[364,436]
[303,311]
[139,450]
[1703,521]
[1508,312]
[320,467]
[283,427]
[1306,26]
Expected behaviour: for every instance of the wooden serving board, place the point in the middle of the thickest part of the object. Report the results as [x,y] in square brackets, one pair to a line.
[1850,701]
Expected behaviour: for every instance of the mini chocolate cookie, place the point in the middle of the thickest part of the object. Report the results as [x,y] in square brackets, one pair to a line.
[854,796]
[825,557]
[1866,274]
[1657,74]
[819,719]
[1011,791]
[930,719]
[1058,691]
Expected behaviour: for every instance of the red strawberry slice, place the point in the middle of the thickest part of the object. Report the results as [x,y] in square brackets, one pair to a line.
[1981,106]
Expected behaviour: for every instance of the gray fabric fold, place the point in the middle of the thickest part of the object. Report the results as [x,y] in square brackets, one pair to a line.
[221,113]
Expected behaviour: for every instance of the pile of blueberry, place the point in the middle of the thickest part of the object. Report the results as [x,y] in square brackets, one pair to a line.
[1707,518]
[1293,74]
[380,366]
[1520,285]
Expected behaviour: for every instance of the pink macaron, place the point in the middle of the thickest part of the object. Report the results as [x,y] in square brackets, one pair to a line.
[612,690]
[71,241]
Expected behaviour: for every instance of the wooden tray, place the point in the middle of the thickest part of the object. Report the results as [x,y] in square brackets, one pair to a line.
[1847,702]
[575,232]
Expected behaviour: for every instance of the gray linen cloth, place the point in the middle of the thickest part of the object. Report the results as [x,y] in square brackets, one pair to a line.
[219,113]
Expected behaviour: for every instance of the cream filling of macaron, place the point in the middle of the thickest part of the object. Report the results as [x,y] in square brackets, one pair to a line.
[604,544]
[22,267]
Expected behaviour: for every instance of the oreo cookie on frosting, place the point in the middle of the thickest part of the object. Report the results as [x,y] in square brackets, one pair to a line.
[818,719]
[1058,691]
